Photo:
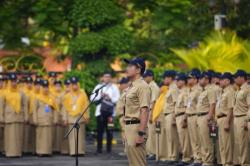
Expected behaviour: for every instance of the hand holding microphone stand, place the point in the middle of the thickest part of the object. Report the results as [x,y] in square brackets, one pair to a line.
[76,125]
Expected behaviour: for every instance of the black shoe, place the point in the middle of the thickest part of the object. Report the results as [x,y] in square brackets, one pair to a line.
[79,155]
[98,152]
[195,164]
[43,155]
[13,157]
[182,163]
[171,162]
[151,157]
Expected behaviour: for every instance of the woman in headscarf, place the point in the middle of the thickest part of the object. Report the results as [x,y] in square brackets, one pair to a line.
[75,102]
[15,114]
[43,117]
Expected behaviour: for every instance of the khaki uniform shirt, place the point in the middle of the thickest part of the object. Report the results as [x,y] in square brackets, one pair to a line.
[217,89]
[28,95]
[43,116]
[206,98]
[192,99]
[10,116]
[171,98]
[120,105]
[155,91]
[1,106]
[242,100]
[225,102]
[137,96]
[181,102]
[59,113]
[70,119]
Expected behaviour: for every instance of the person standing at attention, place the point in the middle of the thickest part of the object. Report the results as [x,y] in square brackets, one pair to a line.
[43,118]
[137,106]
[148,76]
[75,102]
[15,114]
[241,111]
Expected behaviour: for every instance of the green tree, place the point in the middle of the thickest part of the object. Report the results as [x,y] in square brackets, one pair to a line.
[100,34]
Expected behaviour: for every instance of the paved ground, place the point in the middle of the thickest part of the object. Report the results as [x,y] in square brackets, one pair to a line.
[90,159]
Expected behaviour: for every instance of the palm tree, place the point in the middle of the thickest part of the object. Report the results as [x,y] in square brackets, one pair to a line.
[221,51]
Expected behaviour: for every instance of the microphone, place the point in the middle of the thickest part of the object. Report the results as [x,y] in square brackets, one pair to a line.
[98,89]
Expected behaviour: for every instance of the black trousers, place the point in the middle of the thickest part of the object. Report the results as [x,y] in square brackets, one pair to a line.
[102,126]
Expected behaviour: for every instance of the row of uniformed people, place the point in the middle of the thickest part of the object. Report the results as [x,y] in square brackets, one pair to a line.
[193,104]
[35,115]
[186,110]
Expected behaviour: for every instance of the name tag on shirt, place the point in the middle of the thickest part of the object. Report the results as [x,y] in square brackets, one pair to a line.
[189,103]
[218,98]
[47,109]
[74,107]
[218,102]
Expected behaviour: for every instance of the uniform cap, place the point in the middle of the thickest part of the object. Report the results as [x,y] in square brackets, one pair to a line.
[52,74]
[216,75]
[57,82]
[211,72]
[67,82]
[45,83]
[148,73]
[195,71]
[139,62]
[206,75]
[38,81]
[181,76]
[169,73]
[74,80]
[29,80]
[240,73]
[13,77]
[194,74]
[226,75]
[123,80]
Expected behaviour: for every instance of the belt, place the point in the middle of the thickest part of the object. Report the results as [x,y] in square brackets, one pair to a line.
[189,115]
[130,122]
[180,114]
[202,114]
[237,116]
[221,116]
[166,114]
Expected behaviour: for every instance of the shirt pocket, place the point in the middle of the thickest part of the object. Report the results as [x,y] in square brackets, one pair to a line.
[223,102]
[189,102]
[169,98]
[201,99]
[240,96]
[131,97]
[180,102]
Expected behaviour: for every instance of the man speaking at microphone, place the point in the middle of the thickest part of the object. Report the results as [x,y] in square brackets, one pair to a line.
[107,96]
[136,112]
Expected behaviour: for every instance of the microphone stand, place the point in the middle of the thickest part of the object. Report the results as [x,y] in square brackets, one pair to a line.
[76,125]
